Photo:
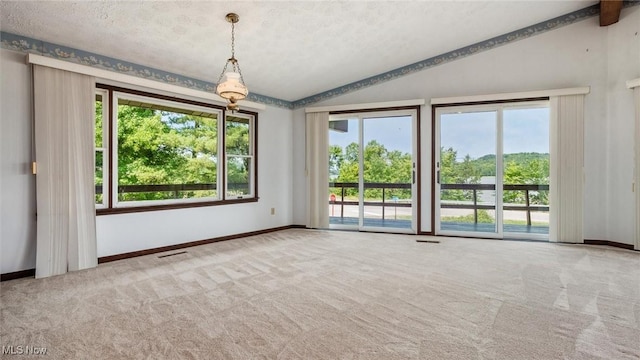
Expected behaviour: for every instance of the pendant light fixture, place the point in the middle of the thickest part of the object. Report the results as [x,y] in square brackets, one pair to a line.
[230,83]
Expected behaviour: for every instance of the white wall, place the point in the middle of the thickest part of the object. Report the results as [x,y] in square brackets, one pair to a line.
[299,205]
[17,185]
[136,231]
[623,45]
[581,54]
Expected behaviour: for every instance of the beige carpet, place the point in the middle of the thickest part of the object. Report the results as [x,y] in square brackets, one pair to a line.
[301,294]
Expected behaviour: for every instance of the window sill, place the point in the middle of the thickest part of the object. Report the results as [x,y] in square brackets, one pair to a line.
[136,209]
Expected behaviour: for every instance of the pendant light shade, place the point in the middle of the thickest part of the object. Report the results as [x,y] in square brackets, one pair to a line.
[231,87]
[230,83]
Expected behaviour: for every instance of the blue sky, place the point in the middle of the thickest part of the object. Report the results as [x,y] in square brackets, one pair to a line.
[525,130]
[392,132]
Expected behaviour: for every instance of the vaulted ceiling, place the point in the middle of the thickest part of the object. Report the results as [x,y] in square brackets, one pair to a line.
[287,49]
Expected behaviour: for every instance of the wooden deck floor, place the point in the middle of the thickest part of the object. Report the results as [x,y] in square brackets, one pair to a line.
[379,223]
[490,228]
[447,226]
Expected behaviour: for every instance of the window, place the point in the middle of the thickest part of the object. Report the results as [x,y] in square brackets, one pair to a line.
[101,161]
[168,153]
[239,151]
[492,169]
[373,170]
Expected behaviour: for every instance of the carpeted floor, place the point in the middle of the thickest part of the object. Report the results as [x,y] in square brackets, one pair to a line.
[301,294]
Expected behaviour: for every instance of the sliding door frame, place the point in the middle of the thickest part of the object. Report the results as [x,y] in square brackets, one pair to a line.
[413,111]
[497,149]
[499,106]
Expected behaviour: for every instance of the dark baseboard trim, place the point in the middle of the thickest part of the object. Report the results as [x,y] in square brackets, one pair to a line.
[608,243]
[106,259]
[586,241]
[18,274]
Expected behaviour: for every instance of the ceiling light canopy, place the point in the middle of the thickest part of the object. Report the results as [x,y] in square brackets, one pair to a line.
[230,83]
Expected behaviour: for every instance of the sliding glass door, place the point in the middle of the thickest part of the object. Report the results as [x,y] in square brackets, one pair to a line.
[344,172]
[525,172]
[466,171]
[492,170]
[372,171]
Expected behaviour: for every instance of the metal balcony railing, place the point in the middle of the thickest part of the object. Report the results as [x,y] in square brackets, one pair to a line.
[174,189]
[473,205]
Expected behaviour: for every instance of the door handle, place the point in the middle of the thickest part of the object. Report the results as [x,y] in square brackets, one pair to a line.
[413,176]
[438,176]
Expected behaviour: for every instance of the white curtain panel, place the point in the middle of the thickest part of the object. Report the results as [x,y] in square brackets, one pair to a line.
[317,169]
[64,120]
[566,174]
[636,95]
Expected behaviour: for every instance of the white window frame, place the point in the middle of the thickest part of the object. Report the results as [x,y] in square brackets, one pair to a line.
[361,116]
[146,99]
[104,149]
[499,108]
[252,168]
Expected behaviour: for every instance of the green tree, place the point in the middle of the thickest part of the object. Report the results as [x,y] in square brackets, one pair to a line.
[238,146]
[375,167]
[349,170]
[158,147]
[352,153]
[467,171]
[336,158]
[536,172]
[455,172]
[400,172]
[380,166]
[99,164]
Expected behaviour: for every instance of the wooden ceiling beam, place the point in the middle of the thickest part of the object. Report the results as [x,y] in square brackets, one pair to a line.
[610,11]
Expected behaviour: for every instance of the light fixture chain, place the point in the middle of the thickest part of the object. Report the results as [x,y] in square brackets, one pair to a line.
[224,70]
[237,65]
[234,61]
[233,40]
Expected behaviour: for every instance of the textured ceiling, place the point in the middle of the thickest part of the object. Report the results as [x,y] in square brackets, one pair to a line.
[287,49]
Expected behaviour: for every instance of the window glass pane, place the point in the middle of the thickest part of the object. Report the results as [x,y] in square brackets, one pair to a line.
[239,175]
[237,136]
[526,170]
[166,152]
[98,126]
[99,151]
[99,176]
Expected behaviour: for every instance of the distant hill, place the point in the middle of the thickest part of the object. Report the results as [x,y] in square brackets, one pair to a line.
[487,166]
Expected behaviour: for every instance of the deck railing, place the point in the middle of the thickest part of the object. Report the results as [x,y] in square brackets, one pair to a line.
[175,189]
[384,203]
[526,188]
[474,188]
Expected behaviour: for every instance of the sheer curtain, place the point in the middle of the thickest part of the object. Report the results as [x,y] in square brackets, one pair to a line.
[64,150]
[566,174]
[636,99]
[317,169]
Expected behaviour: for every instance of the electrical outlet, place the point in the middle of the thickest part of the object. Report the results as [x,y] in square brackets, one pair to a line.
[273,211]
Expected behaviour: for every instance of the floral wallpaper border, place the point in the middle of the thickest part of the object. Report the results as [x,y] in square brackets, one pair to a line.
[460,53]
[28,45]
